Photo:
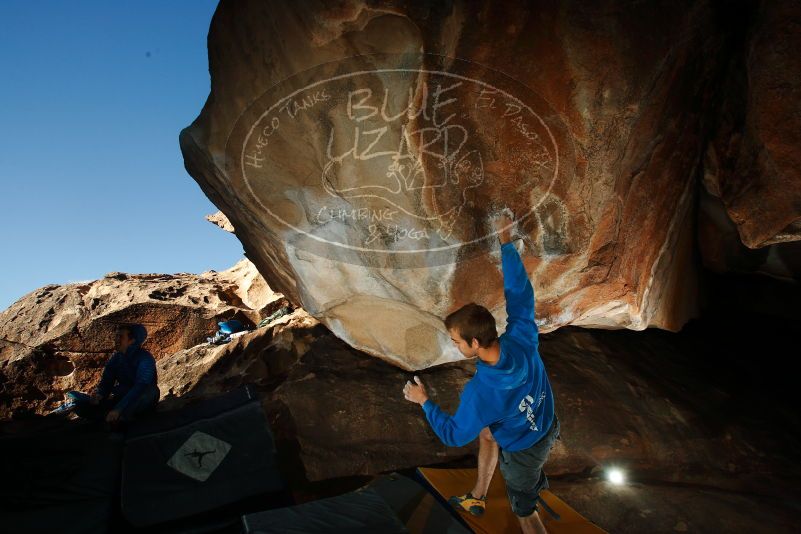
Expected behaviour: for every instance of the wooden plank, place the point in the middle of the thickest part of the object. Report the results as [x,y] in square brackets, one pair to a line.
[498,517]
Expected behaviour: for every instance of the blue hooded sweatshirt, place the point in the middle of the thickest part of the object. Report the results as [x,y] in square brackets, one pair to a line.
[127,374]
[513,397]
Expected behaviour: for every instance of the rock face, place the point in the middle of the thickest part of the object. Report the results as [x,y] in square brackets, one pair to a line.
[361,162]
[722,249]
[749,212]
[262,357]
[342,410]
[754,164]
[221,221]
[59,337]
[349,417]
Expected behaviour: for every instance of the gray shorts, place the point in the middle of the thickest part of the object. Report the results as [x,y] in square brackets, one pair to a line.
[522,471]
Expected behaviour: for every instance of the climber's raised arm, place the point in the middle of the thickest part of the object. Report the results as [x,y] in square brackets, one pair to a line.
[517,288]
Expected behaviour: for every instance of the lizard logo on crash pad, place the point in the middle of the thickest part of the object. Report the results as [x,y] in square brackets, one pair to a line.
[199,456]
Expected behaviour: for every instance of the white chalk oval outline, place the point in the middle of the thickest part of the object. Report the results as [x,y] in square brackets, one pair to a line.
[426,71]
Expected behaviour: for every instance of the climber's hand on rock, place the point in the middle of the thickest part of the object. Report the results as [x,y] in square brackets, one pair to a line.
[415,392]
[502,223]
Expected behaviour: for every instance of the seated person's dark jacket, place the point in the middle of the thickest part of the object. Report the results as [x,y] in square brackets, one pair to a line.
[127,375]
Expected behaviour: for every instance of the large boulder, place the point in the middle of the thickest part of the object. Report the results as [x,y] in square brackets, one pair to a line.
[59,337]
[361,150]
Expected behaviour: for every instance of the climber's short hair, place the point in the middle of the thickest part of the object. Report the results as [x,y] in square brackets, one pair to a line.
[473,321]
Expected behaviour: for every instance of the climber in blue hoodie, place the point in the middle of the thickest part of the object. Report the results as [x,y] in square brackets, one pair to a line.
[508,403]
[128,386]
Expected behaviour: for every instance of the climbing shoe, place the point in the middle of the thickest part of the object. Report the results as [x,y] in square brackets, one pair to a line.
[468,503]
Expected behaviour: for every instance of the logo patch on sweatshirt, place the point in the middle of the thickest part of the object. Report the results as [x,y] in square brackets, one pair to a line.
[526,406]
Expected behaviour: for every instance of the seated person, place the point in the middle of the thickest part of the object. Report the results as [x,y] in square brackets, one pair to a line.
[128,386]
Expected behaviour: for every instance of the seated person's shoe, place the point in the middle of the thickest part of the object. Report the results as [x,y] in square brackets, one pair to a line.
[64,408]
[468,503]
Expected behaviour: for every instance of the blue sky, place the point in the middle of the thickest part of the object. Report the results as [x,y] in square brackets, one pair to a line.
[92,98]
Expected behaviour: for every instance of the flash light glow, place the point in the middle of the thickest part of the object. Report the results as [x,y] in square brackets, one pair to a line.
[616,476]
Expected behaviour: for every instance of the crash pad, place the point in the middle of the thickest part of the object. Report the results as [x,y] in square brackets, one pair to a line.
[204,456]
[59,476]
[390,503]
[498,517]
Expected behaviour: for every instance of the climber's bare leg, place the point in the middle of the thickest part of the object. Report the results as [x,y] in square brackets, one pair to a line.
[487,462]
[532,524]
